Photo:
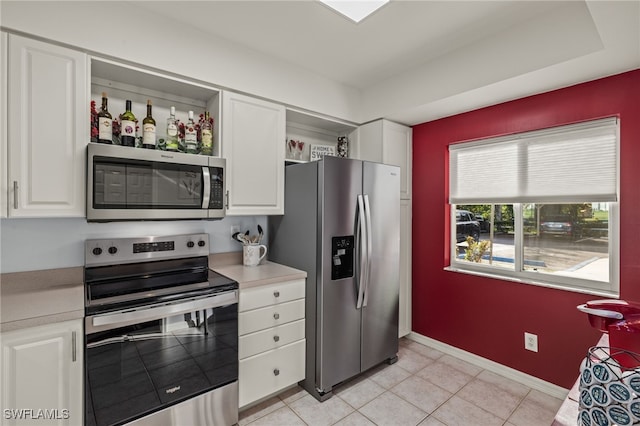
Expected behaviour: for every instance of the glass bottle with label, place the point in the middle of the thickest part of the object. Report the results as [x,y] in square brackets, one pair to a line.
[149,129]
[206,131]
[173,142]
[128,126]
[191,135]
[105,123]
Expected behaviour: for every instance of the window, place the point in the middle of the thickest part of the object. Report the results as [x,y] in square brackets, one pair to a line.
[539,207]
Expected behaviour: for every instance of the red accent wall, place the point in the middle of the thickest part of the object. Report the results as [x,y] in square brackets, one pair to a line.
[488,317]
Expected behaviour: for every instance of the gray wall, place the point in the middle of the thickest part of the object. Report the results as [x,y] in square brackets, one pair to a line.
[36,244]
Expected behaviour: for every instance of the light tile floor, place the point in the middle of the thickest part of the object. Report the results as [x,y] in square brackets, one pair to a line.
[425,387]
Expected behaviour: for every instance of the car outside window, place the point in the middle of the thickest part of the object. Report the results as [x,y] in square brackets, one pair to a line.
[554,244]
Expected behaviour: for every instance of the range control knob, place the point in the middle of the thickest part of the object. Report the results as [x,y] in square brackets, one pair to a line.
[113,250]
[190,244]
[201,243]
[96,251]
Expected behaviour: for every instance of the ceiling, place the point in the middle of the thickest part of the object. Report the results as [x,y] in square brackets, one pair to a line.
[414,61]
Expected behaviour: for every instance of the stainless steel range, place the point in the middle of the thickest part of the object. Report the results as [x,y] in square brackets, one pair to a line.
[161,334]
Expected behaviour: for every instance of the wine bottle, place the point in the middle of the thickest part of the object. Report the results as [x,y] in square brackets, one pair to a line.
[173,143]
[105,122]
[128,126]
[149,129]
[206,131]
[191,135]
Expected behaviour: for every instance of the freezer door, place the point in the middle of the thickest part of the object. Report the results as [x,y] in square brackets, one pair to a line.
[381,186]
[338,333]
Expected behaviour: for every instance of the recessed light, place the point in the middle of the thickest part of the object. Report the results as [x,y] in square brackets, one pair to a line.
[356,10]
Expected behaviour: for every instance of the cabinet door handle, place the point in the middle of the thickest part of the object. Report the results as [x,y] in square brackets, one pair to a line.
[276,293]
[276,372]
[276,338]
[276,316]
[15,195]
[74,356]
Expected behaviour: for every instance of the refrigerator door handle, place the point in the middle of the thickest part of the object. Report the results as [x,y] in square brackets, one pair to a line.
[362,240]
[367,212]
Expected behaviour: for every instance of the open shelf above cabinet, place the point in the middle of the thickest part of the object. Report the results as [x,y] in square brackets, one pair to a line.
[312,129]
[123,82]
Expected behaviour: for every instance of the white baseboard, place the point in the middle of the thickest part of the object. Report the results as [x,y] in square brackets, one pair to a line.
[508,372]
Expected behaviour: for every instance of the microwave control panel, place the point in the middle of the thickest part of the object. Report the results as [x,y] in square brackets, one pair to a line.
[216,198]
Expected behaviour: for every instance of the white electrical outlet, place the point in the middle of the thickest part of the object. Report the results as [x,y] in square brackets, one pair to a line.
[531,342]
[234,229]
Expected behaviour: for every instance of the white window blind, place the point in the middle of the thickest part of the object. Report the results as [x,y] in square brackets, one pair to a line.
[574,163]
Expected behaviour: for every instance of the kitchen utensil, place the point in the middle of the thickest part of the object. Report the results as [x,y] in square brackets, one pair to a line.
[260,234]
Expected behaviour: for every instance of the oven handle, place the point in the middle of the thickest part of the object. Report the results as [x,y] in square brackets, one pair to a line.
[161,311]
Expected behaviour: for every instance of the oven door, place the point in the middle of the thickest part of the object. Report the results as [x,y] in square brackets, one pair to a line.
[166,363]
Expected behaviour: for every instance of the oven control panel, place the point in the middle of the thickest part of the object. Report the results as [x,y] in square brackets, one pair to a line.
[110,251]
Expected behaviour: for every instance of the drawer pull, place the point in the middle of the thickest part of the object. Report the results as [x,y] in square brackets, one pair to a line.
[276,293]
[276,338]
[276,372]
[276,316]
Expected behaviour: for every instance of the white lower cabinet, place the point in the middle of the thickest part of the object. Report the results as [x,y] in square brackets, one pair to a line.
[42,375]
[271,342]
[268,372]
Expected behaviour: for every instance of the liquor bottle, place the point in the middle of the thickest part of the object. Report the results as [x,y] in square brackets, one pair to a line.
[105,123]
[128,126]
[149,129]
[206,131]
[173,142]
[191,135]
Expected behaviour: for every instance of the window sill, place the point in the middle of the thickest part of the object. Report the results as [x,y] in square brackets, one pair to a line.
[595,292]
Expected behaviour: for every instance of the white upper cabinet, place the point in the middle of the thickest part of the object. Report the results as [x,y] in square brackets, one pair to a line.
[253,142]
[3,124]
[386,142]
[48,128]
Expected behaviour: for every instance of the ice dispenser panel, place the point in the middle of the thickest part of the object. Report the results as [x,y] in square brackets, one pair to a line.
[342,257]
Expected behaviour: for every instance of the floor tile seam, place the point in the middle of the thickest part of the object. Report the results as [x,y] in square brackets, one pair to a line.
[536,404]
[493,414]
[480,408]
[284,404]
[297,415]
[428,381]
[425,356]
[353,409]
[347,402]
[420,408]
[520,399]
[390,391]
[518,406]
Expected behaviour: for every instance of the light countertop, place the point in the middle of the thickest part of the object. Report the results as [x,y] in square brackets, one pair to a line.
[265,273]
[29,299]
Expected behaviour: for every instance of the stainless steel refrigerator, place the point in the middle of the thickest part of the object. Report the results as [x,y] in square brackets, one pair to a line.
[342,226]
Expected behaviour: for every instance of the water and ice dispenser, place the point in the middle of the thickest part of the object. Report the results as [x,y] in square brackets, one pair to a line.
[342,257]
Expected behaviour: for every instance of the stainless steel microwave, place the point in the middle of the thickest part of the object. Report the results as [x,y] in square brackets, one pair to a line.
[125,183]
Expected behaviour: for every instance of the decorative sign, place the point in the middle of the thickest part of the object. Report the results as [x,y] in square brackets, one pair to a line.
[319,151]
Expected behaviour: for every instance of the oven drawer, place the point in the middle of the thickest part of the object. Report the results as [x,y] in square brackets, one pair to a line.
[271,371]
[271,316]
[271,294]
[271,338]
